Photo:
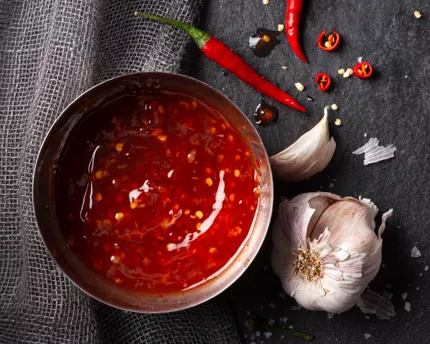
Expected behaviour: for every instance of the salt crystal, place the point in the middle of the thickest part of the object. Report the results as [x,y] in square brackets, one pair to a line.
[268,334]
[258,334]
[282,337]
[248,312]
[367,335]
[271,322]
[404,296]
[418,288]
[331,185]
[291,327]
[426,268]
[284,319]
[407,306]
[253,343]
[272,305]
[365,135]
[415,252]
[421,274]
[330,315]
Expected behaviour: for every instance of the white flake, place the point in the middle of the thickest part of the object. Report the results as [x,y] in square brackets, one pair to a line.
[268,334]
[258,334]
[407,306]
[330,315]
[426,268]
[374,153]
[367,335]
[415,252]
[404,296]
[284,320]
[272,305]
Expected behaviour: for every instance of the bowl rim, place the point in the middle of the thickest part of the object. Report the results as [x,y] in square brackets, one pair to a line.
[252,252]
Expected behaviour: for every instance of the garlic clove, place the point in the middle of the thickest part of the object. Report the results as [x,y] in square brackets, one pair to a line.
[309,155]
[325,250]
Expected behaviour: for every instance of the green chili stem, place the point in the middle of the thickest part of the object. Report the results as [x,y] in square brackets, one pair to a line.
[199,36]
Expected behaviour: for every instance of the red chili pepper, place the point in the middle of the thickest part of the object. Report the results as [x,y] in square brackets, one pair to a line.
[332,41]
[363,70]
[292,20]
[226,58]
[323,80]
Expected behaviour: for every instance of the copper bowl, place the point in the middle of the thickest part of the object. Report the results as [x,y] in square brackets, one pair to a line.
[44,194]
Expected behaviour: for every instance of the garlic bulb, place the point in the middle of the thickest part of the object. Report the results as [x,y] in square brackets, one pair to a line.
[326,251]
[309,155]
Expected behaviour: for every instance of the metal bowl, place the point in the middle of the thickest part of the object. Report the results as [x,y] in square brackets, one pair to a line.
[44,194]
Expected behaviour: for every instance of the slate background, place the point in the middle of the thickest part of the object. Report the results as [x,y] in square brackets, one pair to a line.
[393,106]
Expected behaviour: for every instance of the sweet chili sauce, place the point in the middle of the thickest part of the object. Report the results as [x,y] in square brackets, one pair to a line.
[156,192]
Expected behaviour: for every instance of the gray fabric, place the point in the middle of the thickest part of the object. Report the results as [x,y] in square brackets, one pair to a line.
[51,51]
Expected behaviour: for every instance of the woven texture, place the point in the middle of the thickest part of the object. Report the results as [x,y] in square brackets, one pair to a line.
[51,51]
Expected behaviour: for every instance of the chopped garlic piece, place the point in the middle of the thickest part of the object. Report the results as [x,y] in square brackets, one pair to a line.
[338,122]
[334,107]
[417,14]
[341,71]
[299,86]
[280,27]
[374,153]
[415,252]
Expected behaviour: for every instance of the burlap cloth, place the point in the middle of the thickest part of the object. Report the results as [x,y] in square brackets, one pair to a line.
[51,51]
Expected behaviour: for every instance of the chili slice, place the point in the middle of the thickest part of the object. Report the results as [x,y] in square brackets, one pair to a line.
[218,52]
[292,21]
[323,80]
[363,70]
[332,41]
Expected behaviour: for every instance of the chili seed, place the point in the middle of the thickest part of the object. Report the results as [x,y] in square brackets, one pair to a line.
[100,174]
[220,157]
[198,225]
[199,214]
[71,241]
[212,250]
[231,197]
[334,107]
[284,67]
[281,27]
[191,156]
[299,86]
[209,181]
[341,71]
[187,212]
[310,98]
[237,157]
[194,104]
[119,216]
[212,130]
[162,138]
[115,259]
[133,205]
[327,44]
[119,147]
[146,261]
[118,280]
[98,197]
[236,173]
[266,2]
[161,109]
[417,14]
[338,122]
[230,138]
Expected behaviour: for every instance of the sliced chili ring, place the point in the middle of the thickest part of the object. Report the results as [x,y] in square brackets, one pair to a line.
[323,80]
[363,70]
[332,42]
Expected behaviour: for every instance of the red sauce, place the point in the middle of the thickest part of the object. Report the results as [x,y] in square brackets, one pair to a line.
[156,192]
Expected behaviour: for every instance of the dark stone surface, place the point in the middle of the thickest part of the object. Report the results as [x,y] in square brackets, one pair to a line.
[393,106]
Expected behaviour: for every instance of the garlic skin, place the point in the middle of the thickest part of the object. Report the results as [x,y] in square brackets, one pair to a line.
[325,249]
[309,155]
